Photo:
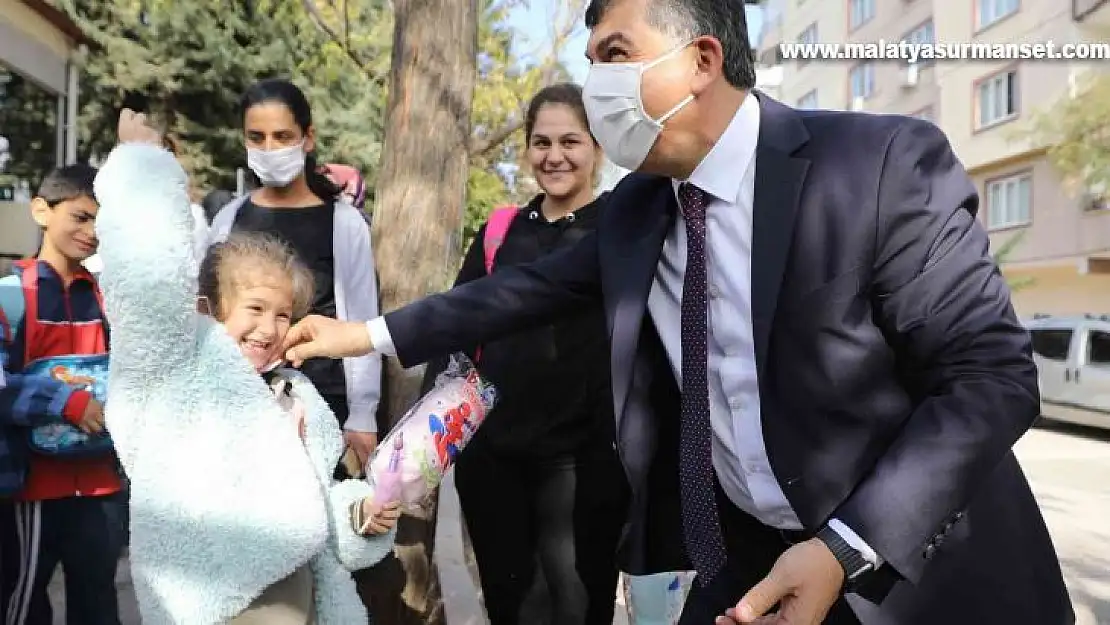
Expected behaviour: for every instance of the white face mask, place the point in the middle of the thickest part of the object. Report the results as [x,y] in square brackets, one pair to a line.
[277,168]
[616,112]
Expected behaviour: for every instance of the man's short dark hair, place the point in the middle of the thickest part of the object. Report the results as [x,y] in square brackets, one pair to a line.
[66,183]
[687,19]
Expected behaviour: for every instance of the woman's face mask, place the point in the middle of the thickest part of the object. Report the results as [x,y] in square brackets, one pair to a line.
[278,167]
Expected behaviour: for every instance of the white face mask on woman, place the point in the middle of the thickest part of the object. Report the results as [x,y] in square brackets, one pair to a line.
[616,110]
[277,168]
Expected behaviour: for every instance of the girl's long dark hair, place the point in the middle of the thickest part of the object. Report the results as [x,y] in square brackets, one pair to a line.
[287,94]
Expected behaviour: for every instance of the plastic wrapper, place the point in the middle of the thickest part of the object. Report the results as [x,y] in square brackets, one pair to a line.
[411,461]
[656,599]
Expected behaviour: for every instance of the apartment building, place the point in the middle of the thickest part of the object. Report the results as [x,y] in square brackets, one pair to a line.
[1063,255]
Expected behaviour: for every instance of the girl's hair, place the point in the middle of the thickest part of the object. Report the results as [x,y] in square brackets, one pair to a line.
[280,91]
[567,94]
[231,266]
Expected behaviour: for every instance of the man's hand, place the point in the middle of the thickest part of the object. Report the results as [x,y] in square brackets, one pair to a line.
[323,337]
[805,582]
[92,421]
[134,128]
[362,443]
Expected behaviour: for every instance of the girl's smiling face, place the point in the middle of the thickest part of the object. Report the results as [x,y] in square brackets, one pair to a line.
[258,317]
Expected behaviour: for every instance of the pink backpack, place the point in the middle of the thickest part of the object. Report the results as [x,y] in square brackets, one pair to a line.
[496,228]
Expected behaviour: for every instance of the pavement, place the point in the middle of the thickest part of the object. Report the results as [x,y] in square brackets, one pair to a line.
[1068,467]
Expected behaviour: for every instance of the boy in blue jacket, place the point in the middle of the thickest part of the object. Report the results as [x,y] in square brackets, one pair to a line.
[58,509]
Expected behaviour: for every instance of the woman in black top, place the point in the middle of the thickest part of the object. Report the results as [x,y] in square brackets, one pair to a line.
[303,208]
[540,484]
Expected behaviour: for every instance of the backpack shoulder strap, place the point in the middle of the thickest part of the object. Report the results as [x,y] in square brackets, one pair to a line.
[496,228]
[12,306]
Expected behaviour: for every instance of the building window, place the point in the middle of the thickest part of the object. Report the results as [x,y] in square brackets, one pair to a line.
[807,37]
[808,101]
[30,145]
[860,12]
[1009,201]
[862,78]
[990,11]
[922,35]
[998,98]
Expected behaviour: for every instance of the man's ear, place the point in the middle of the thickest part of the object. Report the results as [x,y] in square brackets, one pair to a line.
[204,306]
[709,64]
[40,211]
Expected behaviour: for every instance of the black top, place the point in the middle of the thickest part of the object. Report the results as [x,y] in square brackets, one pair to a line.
[553,381]
[309,232]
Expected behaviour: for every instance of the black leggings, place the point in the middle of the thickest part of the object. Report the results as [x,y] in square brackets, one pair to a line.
[563,515]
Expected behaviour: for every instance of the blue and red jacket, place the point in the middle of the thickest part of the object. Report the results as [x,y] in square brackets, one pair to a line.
[62,320]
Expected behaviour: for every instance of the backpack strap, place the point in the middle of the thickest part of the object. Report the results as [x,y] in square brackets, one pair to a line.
[12,306]
[29,281]
[496,228]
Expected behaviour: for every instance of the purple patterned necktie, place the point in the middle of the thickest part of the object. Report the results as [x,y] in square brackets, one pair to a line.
[700,523]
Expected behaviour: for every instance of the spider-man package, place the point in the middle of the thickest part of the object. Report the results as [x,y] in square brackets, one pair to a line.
[412,460]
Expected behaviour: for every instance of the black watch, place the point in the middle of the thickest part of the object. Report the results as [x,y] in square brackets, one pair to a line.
[855,566]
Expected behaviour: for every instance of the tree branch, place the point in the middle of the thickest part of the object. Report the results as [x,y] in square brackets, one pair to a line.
[562,29]
[485,145]
[342,39]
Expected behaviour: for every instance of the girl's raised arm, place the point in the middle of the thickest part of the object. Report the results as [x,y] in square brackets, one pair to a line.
[149,279]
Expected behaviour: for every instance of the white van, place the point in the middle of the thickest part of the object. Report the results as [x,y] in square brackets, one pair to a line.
[1073,358]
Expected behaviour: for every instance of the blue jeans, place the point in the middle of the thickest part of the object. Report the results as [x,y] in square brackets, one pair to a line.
[85,535]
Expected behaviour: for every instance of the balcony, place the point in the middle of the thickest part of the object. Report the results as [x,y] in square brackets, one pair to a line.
[1093,12]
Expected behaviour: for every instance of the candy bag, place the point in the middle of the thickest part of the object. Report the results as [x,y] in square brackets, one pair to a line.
[412,460]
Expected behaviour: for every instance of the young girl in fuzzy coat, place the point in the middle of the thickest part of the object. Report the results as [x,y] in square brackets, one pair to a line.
[235,517]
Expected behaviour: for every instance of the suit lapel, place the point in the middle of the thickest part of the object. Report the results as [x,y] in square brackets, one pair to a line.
[632,267]
[779,177]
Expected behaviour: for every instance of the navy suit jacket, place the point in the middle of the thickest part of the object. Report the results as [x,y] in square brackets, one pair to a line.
[894,376]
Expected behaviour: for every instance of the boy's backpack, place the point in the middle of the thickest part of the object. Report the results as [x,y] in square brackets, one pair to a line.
[19,311]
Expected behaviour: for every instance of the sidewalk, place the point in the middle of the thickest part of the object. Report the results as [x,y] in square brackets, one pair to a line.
[461,597]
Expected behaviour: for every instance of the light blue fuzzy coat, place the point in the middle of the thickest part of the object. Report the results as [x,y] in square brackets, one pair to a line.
[225,501]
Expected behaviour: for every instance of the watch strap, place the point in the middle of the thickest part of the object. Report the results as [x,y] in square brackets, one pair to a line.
[851,560]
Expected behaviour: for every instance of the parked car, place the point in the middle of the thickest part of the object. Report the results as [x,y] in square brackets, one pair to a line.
[1073,358]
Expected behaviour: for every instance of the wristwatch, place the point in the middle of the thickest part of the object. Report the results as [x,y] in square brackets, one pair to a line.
[855,566]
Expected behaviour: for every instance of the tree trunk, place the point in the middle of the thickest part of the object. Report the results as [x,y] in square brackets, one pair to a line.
[420,199]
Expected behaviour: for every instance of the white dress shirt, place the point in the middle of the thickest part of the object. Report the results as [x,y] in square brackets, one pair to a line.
[739,453]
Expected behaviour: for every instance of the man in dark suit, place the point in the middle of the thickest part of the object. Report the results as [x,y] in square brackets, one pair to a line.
[818,376]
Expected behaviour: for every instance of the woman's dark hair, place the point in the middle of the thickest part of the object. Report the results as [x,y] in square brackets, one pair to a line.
[283,92]
[567,94]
